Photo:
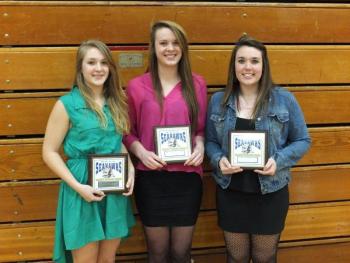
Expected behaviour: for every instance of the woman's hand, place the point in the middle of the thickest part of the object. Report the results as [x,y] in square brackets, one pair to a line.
[130,182]
[90,194]
[226,167]
[151,160]
[148,158]
[197,155]
[269,168]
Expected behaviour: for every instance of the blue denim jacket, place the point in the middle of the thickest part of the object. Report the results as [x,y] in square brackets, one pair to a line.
[288,138]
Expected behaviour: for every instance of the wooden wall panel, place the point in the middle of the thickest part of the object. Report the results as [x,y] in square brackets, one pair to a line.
[329,146]
[33,121]
[320,184]
[20,242]
[35,240]
[308,46]
[23,201]
[330,253]
[37,200]
[22,160]
[28,201]
[324,220]
[53,68]
[310,184]
[24,116]
[39,68]
[309,64]
[322,106]
[289,64]
[50,23]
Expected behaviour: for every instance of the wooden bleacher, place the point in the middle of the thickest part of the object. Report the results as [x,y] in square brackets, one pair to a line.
[309,49]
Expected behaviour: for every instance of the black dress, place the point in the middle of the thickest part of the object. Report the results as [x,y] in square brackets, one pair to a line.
[242,208]
[165,198]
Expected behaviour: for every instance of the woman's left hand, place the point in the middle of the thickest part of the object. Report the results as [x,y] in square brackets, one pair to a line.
[130,182]
[269,168]
[197,155]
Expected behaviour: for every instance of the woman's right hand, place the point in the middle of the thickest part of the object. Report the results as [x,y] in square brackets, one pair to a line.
[90,194]
[226,167]
[151,160]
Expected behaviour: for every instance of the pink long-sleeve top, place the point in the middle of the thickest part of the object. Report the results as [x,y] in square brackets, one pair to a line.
[145,113]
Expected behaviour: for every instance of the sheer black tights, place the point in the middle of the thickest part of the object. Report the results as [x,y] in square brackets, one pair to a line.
[169,244]
[243,247]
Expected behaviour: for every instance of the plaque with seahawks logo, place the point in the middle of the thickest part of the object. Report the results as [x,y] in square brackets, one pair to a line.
[248,149]
[108,172]
[173,143]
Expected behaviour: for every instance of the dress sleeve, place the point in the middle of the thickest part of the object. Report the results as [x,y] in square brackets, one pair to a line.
[128,139]
[201,90]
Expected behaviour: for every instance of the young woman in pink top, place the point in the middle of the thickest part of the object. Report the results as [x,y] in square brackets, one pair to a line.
[168,196]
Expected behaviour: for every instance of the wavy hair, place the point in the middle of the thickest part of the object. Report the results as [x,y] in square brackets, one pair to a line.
[112,90]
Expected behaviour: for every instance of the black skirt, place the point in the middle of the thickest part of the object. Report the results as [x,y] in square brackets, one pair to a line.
[252,213]
[166,198]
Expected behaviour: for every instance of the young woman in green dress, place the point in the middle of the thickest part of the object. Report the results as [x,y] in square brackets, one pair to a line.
[90,119]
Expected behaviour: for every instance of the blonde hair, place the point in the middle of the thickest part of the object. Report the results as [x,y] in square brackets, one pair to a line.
[112,89]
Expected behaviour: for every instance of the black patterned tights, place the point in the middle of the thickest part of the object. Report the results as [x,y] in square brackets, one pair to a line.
[243,247]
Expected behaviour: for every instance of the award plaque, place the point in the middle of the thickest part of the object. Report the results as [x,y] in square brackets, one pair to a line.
[248,149]
[108,172]
[173,143]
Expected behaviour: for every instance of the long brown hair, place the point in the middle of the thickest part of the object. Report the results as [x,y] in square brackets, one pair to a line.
[265,84]
[112,89]
[184,69]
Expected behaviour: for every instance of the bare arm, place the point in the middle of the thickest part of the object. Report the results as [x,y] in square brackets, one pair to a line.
[56,130]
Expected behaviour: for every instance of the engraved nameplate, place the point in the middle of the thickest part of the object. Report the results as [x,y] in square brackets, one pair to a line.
[130,60]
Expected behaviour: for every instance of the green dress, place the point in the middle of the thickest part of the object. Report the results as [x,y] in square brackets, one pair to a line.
[79,222]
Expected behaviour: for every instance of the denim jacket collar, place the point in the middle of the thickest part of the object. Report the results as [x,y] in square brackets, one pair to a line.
[231,102]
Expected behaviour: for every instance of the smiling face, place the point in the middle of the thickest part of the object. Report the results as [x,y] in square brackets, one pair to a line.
[95,68]
[248,66]
[167,48]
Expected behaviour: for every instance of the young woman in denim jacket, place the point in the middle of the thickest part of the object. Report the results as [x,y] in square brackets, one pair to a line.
[252,204]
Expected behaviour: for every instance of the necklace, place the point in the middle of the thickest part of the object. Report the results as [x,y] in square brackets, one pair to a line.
[244,104]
